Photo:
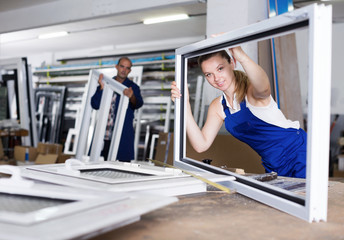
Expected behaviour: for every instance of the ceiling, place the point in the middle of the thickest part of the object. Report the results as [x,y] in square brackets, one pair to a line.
[6,5]
[110,35]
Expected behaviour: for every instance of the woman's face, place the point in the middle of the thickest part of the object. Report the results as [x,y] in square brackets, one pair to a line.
[219,72]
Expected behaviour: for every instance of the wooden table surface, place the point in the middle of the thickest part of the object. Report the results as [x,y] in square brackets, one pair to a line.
[217,215]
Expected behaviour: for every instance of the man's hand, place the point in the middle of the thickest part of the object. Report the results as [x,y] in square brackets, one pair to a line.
[100,81]
[128,92]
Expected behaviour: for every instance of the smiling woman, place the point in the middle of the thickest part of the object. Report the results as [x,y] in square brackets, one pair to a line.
[249,112]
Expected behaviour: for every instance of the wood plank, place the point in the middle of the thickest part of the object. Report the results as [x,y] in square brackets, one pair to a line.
[288,78]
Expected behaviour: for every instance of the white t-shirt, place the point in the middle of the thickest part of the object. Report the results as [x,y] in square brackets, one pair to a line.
[270,114]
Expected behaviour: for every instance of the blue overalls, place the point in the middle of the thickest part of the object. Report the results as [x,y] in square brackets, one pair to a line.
[282,150]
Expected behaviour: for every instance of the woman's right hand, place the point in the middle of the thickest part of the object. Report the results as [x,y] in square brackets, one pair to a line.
[175,92]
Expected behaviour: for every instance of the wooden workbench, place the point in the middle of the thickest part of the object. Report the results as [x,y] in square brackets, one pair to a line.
[217,215]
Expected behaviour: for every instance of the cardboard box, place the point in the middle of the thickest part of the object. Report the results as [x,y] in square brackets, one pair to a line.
[1,150]
[49,148]
[338,172]
[164,148]
[226,152]
[46,158]
[45,153]
[8,162]
[19,153]
[63,157]
[48,153]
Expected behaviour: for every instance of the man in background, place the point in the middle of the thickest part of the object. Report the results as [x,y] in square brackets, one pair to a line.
[133,92]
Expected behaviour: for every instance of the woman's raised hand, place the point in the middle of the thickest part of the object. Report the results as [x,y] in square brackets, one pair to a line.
[175,92]
[238,54]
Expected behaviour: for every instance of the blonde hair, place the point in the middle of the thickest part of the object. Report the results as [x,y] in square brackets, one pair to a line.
[241,80]
[241,83]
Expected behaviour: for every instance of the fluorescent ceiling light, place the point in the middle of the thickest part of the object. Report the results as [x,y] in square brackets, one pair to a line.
[53,35]
[166,19]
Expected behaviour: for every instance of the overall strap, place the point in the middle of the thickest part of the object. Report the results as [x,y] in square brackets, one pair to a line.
[224,105]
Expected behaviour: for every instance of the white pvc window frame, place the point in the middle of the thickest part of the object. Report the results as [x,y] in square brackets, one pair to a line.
[318,20]
[108,210]
[136,76]
[54,94]
[110,86]
[75,201]
[25,96]
[74,168]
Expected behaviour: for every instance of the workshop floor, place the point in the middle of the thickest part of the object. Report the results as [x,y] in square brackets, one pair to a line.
[217,215]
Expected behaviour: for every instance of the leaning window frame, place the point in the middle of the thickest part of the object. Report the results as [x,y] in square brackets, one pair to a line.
[318,20]
[73,133]
[111,86]
[25,96]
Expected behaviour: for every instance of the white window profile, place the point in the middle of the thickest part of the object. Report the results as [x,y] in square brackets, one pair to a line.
[74,133]
[110,86]
[122,177]
[318,20]
[36,210]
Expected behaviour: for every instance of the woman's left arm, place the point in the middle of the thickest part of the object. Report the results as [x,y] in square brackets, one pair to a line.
[259,81]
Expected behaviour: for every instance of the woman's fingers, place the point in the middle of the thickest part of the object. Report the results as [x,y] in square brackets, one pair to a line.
[238,53]
[175,93]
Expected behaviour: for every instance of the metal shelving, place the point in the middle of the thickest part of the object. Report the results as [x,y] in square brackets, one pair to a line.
[156,80]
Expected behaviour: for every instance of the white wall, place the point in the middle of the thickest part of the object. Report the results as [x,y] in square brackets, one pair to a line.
[337,98]
[337,92]
[337,79]
[224,16]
